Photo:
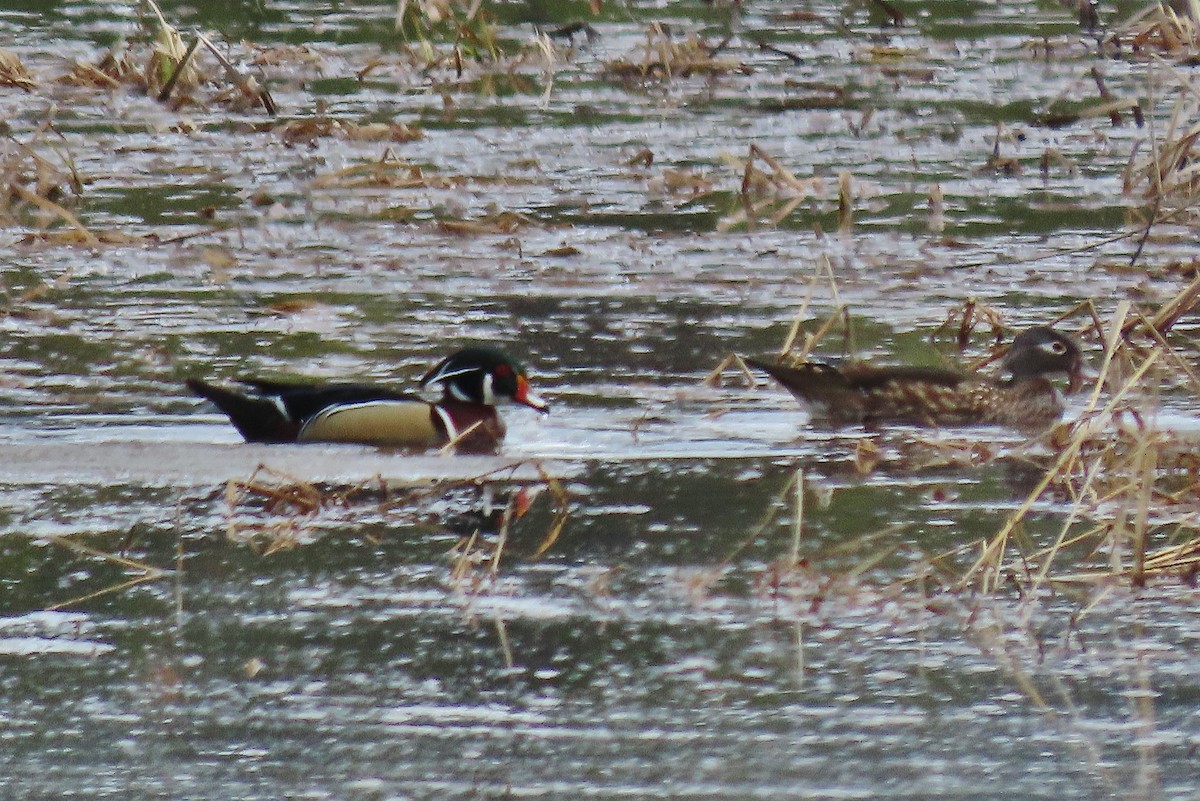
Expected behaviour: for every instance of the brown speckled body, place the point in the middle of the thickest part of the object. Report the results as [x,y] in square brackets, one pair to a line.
[863,394]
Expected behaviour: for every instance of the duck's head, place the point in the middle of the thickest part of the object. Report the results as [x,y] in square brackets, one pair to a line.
[483,375]
[1042,351]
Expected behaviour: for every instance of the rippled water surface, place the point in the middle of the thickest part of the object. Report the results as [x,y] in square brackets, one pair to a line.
[608,607]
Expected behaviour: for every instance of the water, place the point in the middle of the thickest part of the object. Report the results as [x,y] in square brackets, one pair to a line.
[336,623]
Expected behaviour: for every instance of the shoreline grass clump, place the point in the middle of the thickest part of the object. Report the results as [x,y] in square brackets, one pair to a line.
[166,67]
[665,56]
[38,189]
[1158,29]
[270,511]
[1168,173]
[1133,487]
[13,72]
[1127,488]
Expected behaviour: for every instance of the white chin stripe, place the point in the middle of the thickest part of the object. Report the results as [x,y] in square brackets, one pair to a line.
[489,396]
[535,400]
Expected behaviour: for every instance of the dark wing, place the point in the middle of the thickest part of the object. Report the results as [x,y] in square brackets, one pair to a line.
[808,380]
[828,393]
[868,377]
[919,395]
[276,410]
[861,393]
[305,401]
[269,386]
[257,418]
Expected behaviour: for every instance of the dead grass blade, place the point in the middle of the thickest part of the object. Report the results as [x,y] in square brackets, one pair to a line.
[1160,29]
[86,237]
[824,271]
[146,571]
[1129,482]
[246,85]
[663,58]
[170,60]
[13,72]
[562,512]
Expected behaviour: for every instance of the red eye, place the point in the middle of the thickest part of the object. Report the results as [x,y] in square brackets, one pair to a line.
[502,371]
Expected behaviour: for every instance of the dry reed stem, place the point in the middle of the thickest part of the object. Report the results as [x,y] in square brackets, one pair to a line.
[246,84]
[501,538]
[1047,556]
[811,340]
[987,566]
[450,446]
[13,72]
[797,519]
[552,534]
[714,376]
[465,556]
[562,512]
[1165,318]
[148,571]
[50,207]
[969,315]
[180,66]
[1121,468]
[505,644]
[123,585]
[1066,464]
[167,56]
[779,177]
[1159,28]
[1146,463]
[1170,172]
[845,202]
[462,561]
[116,559]
[826,268]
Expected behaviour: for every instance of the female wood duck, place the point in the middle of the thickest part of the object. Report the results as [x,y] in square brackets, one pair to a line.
[859,393]
[471,381]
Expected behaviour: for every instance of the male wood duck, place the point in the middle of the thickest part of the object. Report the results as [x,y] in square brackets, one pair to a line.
[858,393]
[471,381]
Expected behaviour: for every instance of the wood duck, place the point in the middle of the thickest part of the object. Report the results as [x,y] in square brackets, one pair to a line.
[858,393]
[471,381]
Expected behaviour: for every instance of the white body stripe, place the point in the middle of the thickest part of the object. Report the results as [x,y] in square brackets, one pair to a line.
[451,431]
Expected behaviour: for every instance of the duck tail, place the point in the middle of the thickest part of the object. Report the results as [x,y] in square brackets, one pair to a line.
[807,381]
[257,418]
